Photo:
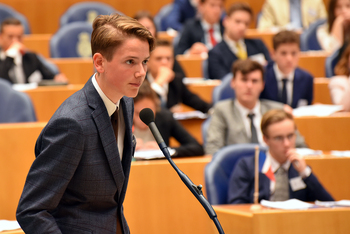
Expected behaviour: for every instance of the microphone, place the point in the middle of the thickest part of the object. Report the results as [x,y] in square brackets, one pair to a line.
[147,116]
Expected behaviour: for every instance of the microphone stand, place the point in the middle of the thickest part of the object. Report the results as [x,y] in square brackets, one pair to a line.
[196,190]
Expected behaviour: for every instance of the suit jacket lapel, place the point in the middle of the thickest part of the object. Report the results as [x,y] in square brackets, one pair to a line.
[239,123]
[296,86]
[272,85]
[105,130]
[228,55]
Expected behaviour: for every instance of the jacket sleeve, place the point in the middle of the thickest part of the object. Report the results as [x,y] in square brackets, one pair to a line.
[216,67]
[216,133]
[59,149]
[267,19]
[315,191]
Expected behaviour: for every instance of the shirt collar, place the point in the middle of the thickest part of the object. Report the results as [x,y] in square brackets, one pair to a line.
[275,165]
[110,106]
[232,44]
[245,111]
[280,75]
[206,26]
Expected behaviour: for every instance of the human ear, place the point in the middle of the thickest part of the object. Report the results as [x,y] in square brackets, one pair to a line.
[98,60]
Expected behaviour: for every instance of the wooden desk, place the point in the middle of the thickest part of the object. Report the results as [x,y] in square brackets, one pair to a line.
[47,99]
[191,64]
[326,133]
[38,43]
[17,143]
[265,35]
[321,91]
[314,62]
[239,219]
[77,70]
[204,89]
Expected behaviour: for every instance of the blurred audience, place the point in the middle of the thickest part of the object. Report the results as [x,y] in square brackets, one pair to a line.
[200,34]
[182,10]
[332,35]
[167,83]
[17,64]
[167,125]
[236,121]
[339,85]
[284,81]
[291,14]
[234,44]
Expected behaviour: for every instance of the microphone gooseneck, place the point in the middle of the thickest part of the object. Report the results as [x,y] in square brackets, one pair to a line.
[147,116]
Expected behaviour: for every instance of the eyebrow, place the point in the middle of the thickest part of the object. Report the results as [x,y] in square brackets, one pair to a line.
[134,57]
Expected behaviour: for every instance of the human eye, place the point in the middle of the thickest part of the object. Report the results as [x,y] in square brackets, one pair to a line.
[145,61]
[278,138]
[290,136]
[130,61]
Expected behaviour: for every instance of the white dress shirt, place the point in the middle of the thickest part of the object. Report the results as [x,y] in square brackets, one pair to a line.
[111,108]
[246,121]
[216,33]
[289,88]
[16,73]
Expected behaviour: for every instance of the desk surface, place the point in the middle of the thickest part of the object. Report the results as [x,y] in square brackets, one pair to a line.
[240,219]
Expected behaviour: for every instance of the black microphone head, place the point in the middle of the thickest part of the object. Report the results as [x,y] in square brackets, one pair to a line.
[147,116]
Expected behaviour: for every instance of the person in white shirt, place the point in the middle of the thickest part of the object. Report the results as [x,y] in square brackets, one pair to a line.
[236,121]
[17,64]
[332,34]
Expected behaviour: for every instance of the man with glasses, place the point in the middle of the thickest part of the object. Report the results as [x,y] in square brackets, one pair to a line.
[284,173]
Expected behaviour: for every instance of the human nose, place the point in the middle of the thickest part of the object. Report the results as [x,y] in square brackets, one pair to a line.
[141,71]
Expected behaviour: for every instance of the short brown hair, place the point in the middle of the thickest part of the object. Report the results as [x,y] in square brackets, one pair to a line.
[240,6]
[145,91]
[246,66]
[9,21]
[274,116]
[285,37]
[110,31]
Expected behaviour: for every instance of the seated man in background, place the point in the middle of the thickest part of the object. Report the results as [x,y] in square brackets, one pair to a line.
[17,64]
[291,14]
[284,175]
[182,11]
[167,125]
[236,121]
[284,81]
[168,84]
[200,34]
[234,46]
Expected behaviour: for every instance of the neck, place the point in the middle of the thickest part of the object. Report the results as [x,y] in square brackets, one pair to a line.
[248,105]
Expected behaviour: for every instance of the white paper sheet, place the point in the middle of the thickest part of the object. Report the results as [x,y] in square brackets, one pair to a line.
[6,225]
[291,204]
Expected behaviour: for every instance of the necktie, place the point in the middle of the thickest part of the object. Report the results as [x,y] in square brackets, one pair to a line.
[254,138]
[295,14]
[212,38]
[284,91]
[114,119]
[241,53]
[282,186]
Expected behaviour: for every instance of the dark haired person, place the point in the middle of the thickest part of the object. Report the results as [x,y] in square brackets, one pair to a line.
[17,64]
[78,181]
[284,81]
[234,45]
[236,121]
[167,125]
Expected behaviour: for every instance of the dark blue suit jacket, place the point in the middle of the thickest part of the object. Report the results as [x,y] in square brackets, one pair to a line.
[192,32]
[241,185]
[77,182]
[303,86]
[221,57]
[182,10]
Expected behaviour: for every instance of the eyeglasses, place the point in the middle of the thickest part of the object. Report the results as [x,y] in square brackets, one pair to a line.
[280,139]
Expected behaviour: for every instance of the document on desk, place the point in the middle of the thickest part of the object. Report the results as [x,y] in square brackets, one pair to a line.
[291,204]
[190,115]
[341,203]
[6,225]
[151,154]
[316,110]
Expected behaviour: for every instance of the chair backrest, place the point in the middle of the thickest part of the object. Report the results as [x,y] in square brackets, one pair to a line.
[86,12]
[15,106]
[217,173]
[72,40]
[308,39]
[158,18]
[331,62]
[7,11]
[224,90]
